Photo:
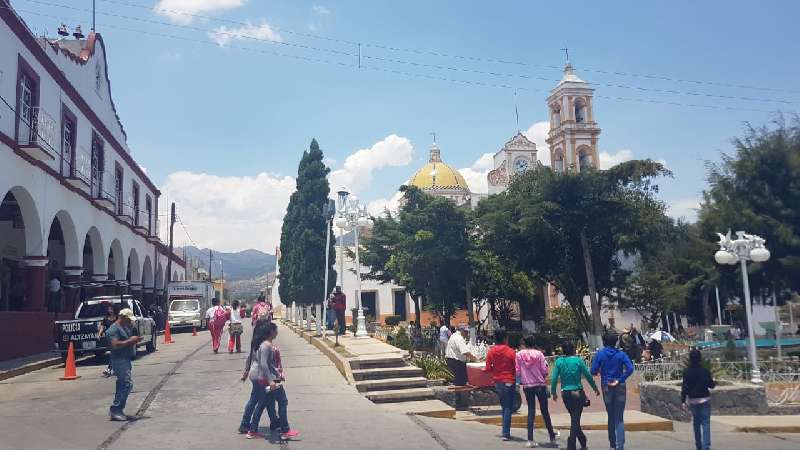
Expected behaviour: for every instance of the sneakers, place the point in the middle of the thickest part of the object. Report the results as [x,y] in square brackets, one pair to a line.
[505,438]
[254,435]
[107,373]
[117,417]
[554,438]
[289,434]
[531,444]
[242,430]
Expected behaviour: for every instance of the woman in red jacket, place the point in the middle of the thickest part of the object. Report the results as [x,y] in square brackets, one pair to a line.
[501,362]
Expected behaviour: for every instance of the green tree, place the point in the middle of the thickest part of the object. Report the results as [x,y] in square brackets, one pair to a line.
[572,229]
[423,248]
[757,189]
[653,291]
[302,265]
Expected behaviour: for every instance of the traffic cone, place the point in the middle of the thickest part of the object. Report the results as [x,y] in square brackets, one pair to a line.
[167,334]
[194,331]
[70,372]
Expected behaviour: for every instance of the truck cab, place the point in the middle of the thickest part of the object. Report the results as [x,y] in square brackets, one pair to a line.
[186,313]
[84,330]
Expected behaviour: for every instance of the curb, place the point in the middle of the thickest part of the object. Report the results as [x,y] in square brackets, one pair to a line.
[341,363]
[521,421]
[30,367]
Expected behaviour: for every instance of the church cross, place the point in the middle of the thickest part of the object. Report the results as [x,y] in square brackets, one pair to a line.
[433,133]
[566,53]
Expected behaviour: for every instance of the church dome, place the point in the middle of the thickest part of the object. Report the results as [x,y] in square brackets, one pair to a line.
[437,175]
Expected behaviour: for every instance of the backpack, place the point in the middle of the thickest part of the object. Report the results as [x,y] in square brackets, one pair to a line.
[220,316]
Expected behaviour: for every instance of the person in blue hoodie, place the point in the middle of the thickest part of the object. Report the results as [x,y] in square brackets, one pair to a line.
[614,367]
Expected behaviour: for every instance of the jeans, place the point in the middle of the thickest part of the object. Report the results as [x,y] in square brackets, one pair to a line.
[506,394]
[574,401]
[340,320]
[262,403]
[532,394]
[122,370]
[701,419]
[281,420]
[330,318]
[614,398]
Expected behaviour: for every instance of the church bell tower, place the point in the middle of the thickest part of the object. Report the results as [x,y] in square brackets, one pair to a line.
[573,131]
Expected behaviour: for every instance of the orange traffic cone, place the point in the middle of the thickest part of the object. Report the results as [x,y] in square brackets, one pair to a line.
[167,334]
[70,372]
[194,331]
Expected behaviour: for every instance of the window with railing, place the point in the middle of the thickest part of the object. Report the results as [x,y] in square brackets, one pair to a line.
[118,189]
[67,145]
[135,195]
[148,206]
[97,168]
[83,166]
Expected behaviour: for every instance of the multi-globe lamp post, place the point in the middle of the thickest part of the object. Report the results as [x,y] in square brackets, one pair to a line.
[350,216]
[746,247]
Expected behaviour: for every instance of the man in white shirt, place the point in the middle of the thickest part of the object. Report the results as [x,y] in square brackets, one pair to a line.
[457,354]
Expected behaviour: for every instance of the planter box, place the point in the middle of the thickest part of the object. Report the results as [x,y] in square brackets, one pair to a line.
[730,399]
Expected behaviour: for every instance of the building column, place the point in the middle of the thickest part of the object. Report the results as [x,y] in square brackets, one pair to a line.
[35,280]
[71,288]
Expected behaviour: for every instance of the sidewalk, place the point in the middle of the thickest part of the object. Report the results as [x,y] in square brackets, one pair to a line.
[18,366]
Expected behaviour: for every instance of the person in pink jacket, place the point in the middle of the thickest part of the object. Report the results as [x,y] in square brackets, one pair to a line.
[532,376]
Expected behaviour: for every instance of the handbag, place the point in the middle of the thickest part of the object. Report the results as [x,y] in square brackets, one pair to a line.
[235,328]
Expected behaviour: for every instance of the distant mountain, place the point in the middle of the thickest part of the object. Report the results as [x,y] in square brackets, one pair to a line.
[244,265]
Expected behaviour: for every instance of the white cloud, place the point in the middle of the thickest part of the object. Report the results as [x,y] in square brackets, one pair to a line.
[378,207]
[608,160]
[475,175]
[685,208]
[321,10]
[537,133]
[223,35]
[180,11]
[229,213]
[357,171]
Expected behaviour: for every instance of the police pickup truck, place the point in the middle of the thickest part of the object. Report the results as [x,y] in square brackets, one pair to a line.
[84,330]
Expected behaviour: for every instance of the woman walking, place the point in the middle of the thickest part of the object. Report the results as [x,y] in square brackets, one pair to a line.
[695,396]
[272,377]
[216,316]
[570,369]
[258,394]
[108,320]
[532,373]
[235,328]
[501,362]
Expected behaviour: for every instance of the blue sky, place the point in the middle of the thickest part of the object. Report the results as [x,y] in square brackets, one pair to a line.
[222,128]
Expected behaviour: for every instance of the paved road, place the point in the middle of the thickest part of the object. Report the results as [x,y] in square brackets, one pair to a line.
[192,399]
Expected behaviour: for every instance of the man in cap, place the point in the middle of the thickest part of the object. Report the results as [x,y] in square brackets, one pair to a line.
[457,354]
[123,339]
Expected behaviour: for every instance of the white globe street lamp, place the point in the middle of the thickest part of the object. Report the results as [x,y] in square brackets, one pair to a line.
[352,216]
[745,247]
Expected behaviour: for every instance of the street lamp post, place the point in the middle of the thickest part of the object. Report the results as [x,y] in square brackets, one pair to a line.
[746,247]
[352,216]
[328,211]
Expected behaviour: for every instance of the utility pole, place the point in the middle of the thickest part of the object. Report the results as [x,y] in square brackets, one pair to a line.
[209,266]
[169,257]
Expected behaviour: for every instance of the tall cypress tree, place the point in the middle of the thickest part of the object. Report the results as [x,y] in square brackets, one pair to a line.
[302,265]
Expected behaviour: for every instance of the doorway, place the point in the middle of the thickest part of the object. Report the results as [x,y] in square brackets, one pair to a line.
[368,302]
[400,305]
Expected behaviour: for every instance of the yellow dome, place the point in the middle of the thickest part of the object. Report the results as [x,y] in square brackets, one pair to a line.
[438,175]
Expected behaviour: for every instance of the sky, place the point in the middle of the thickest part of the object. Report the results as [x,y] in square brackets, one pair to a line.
[220,98]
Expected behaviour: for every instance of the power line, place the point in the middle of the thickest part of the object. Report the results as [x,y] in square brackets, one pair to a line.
[415,63]
[461,57]
[399,72]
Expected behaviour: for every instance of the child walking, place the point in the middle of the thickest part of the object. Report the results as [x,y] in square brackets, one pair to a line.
[270,361]
[532,373]
[695,395]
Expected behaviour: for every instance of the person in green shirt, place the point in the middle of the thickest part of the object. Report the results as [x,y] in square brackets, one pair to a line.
[570,369]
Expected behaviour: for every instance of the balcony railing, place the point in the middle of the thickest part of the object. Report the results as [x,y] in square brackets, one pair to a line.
[38,135]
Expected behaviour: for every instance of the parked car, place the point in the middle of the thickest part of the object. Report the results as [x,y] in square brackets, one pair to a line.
[84,329]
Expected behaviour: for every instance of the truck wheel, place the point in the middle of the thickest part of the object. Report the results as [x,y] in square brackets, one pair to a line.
[151,346]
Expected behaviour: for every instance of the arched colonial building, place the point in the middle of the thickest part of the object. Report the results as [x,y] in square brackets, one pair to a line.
[74,205]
